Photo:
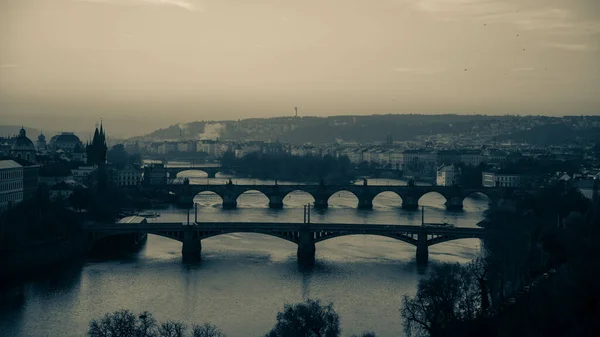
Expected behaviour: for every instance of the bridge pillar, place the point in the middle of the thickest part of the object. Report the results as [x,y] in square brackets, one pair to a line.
[211,173]
[306,247]
[229,201]
[410,203]
[275,201]
[422,247]
[454,204]
[321,202]
[192,247]
[365,202]
[185,201]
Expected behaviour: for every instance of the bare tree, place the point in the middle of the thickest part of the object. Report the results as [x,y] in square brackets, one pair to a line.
[206,330]
[365,334]
[121,323]
[146,325]
[172,329]
[124,323]
[449,295]
[309,318]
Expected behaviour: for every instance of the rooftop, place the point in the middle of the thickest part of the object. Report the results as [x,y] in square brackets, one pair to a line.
[8,164]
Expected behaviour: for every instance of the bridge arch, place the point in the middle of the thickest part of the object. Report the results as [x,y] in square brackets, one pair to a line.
[208,198]
[478,193]
[403,238]
[281,235]
[435,199]
[299,194]
[190,173]
[340,198]
[388,198]
[244,198]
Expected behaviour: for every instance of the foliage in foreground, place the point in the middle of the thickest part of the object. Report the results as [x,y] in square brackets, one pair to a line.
[307,319]
[124,323]
[538,276]
[450,294]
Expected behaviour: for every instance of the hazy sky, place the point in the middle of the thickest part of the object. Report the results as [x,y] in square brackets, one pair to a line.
[142,64]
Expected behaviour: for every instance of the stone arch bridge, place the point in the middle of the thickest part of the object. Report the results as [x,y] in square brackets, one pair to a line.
[304,235]
[365,194]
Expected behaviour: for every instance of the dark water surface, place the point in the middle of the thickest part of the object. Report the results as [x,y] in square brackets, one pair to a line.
[244,279]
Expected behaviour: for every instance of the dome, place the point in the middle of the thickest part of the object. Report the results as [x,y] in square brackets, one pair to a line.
[22,143]
[67,137]
[41,138]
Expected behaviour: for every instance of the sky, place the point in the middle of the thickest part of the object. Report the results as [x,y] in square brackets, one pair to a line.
[144,64]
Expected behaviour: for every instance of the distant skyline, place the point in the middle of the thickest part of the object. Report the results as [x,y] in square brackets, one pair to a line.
[146,64]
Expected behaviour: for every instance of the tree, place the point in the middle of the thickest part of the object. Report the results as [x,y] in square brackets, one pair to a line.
[121,323]
[307,319]
[172,329]
[124,323]
[449,295]
[365,334]
[146,325]
[206,330]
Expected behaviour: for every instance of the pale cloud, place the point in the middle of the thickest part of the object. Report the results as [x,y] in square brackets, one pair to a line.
[183,4]
[462,8]
[418,71]
[488,12]
[523,69]
[571,47]
[9,65]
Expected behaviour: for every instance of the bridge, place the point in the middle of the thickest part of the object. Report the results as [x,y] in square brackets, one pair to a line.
[321,193]
[210,169]
[305,235]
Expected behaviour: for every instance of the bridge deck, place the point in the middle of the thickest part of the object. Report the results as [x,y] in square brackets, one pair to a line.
[281,226]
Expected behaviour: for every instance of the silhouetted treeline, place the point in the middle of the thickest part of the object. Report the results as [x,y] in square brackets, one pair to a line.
[538,275]
[295,168]
[306,319]
[36,220]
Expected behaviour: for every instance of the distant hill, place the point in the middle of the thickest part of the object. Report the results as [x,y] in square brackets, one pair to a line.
[554,134]
[323,129]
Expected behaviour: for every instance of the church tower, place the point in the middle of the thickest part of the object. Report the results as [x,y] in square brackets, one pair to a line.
[96,150]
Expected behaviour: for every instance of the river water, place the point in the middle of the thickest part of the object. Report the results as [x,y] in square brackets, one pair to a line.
[245,279]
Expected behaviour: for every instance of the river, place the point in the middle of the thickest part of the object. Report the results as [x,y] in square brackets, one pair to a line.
[245,279]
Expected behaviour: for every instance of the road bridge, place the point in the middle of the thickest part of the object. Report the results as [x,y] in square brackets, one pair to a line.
[305,235]
[321,193]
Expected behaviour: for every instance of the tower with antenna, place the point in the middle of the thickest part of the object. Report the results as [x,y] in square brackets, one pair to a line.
[295,111]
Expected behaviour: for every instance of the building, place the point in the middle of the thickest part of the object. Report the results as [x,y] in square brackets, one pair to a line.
[64,189]
[473,158]
[78,154]
[40,145]
[447,175]
[448,157]
[22,147]
[82,173]
[66,141]
[96,150]
[207,146]
[11,184]
[128,176]
[54,173]
[497,179]
[187,146]
[156,174]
